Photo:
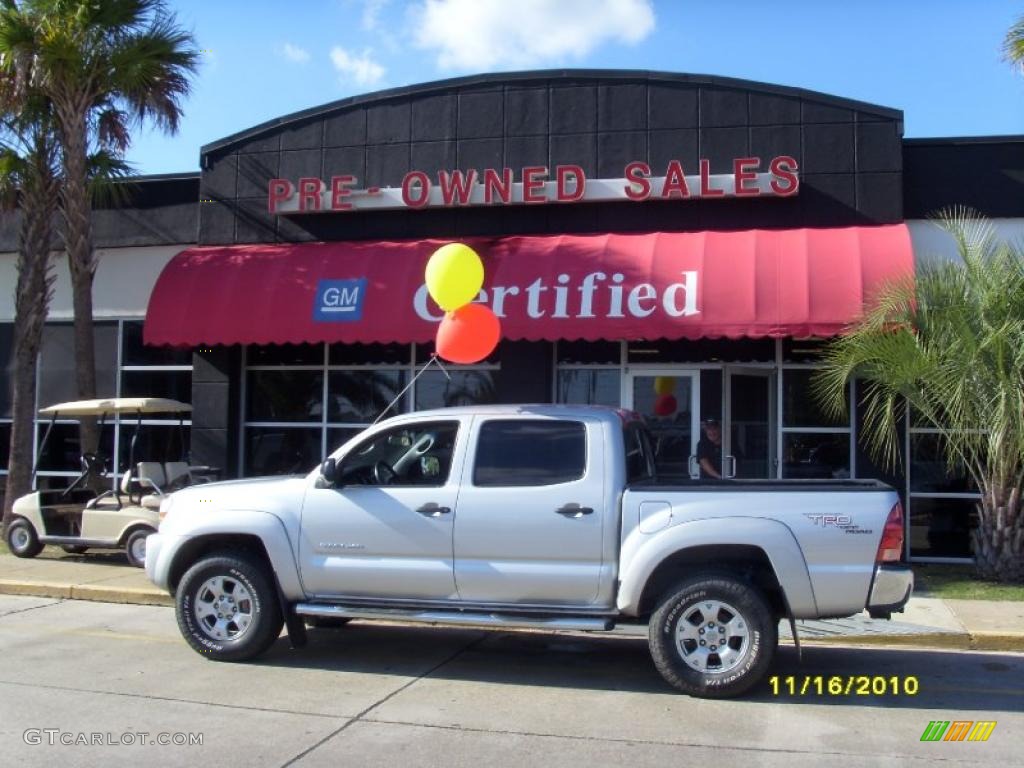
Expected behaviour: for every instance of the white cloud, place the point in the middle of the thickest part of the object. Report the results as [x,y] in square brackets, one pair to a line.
[497,34]
[361,68]
[295,53]
[371,14]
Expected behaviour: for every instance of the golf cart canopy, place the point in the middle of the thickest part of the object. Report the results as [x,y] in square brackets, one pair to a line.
[116,405]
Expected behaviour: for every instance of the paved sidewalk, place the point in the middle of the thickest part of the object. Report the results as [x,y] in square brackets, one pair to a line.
[927,622]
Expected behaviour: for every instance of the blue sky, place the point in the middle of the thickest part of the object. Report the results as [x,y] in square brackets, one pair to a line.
[938,60]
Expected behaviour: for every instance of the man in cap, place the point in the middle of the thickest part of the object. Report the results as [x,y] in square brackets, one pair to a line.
[709,449]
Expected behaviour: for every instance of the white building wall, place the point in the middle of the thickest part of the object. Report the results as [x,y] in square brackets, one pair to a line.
[930,242]
[124,280]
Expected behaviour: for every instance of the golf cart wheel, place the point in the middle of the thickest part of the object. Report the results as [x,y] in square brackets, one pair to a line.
[22,539]
[135,546]
[713,636]
[73,549]
[227,607]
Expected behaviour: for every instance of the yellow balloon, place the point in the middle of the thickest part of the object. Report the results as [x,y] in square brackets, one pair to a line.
[454,276]
[664,385]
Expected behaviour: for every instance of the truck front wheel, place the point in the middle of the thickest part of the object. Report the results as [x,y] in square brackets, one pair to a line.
[227,609]
[713,636]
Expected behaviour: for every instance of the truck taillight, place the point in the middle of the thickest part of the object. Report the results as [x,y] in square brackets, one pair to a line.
[890,548]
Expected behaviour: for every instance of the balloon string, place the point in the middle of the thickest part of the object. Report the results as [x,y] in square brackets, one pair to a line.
[434,360]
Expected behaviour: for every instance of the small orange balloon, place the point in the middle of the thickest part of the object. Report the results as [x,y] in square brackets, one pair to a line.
[468,335]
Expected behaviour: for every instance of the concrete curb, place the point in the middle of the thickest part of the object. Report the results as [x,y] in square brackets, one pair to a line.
[93,592]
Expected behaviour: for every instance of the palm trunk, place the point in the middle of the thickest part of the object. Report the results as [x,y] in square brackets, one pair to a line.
[77,210]
[998,541]
[32,301]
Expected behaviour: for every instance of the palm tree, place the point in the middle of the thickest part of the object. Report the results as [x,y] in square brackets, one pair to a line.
[29,176]
[1013,44]
[106,66]
[951,347]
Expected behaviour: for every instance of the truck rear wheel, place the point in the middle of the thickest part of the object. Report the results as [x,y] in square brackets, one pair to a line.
[227,608]
[713,636]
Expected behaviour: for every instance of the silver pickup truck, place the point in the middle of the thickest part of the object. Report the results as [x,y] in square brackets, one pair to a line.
[528,516]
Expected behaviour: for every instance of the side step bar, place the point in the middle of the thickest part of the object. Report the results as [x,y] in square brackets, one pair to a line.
[455,617]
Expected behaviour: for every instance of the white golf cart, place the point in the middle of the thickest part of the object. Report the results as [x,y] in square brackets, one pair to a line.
[78,518]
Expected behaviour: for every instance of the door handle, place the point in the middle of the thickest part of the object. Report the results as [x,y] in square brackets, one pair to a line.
[433,510]
[574,510]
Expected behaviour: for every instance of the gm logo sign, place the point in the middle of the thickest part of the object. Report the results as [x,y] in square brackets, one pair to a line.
[339,301]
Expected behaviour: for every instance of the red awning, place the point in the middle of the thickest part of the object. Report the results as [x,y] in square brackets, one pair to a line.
[798,282]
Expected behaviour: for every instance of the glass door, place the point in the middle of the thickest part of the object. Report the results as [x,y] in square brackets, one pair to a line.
[748,438]
[668,401]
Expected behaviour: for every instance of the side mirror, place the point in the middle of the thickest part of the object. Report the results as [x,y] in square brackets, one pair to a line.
[329,470]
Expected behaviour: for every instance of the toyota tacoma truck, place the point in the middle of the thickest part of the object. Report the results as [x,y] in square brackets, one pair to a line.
[546,516]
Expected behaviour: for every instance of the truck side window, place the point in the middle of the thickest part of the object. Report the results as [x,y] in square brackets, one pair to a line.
[414,454]
[525,452]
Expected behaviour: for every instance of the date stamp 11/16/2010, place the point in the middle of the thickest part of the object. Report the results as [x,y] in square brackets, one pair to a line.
[844,685]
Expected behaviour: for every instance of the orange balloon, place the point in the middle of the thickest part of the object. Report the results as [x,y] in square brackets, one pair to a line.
[469,334]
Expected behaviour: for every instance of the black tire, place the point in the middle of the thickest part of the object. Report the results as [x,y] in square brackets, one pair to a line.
[326,622]
[22,539]
[135,546]
[229,641]
[73,549]
[705,602]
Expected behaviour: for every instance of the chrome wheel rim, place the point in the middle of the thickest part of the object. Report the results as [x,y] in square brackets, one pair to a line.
[139,549]
[712,637]
[224,608]
[20,539]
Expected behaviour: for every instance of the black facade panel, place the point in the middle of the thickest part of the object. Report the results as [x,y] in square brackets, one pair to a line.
[880,197]
[526,112]
[671,106]
[526,151]
[389,123]
[573,109]
[163,225]
[723,107]
[829,148]
[386,165]
[433,156]
[578,149]
[212,448]
[270,143]
[984,174]
[346,129]
[210,401]
[296,229]
[879,148]
[433,118]
[723,145]
[307,136]
[217,223]
[816,112]
[253,223]
[770,141]
[255,172]
[481,115]
[301,163]
[480,154]
[345,161]
[769,109]
[674,144]
[220,179]
[622,107]
[615,150]
[829,198]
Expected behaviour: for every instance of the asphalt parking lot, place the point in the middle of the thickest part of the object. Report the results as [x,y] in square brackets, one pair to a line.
[373,694]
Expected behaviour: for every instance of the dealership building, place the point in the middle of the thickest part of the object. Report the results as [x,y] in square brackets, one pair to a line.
[676,244]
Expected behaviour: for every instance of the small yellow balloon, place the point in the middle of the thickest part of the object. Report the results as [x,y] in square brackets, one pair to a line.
[664,385]
[454,276]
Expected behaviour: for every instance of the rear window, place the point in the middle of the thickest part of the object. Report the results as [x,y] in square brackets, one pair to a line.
[530,452]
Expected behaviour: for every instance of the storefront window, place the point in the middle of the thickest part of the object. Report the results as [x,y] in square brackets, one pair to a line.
[465,387]
[6,372]
[135,352]
[359,397]
[930,471]
[285,396]
[816,455]
[155,442]
[174,385]
[800,404]
[62,452]
[286,354]
[57,381]
[941,527]
[281,450]
[589,386]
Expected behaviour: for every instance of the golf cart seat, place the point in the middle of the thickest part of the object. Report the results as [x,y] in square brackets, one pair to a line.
[178,474]
[148,476]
